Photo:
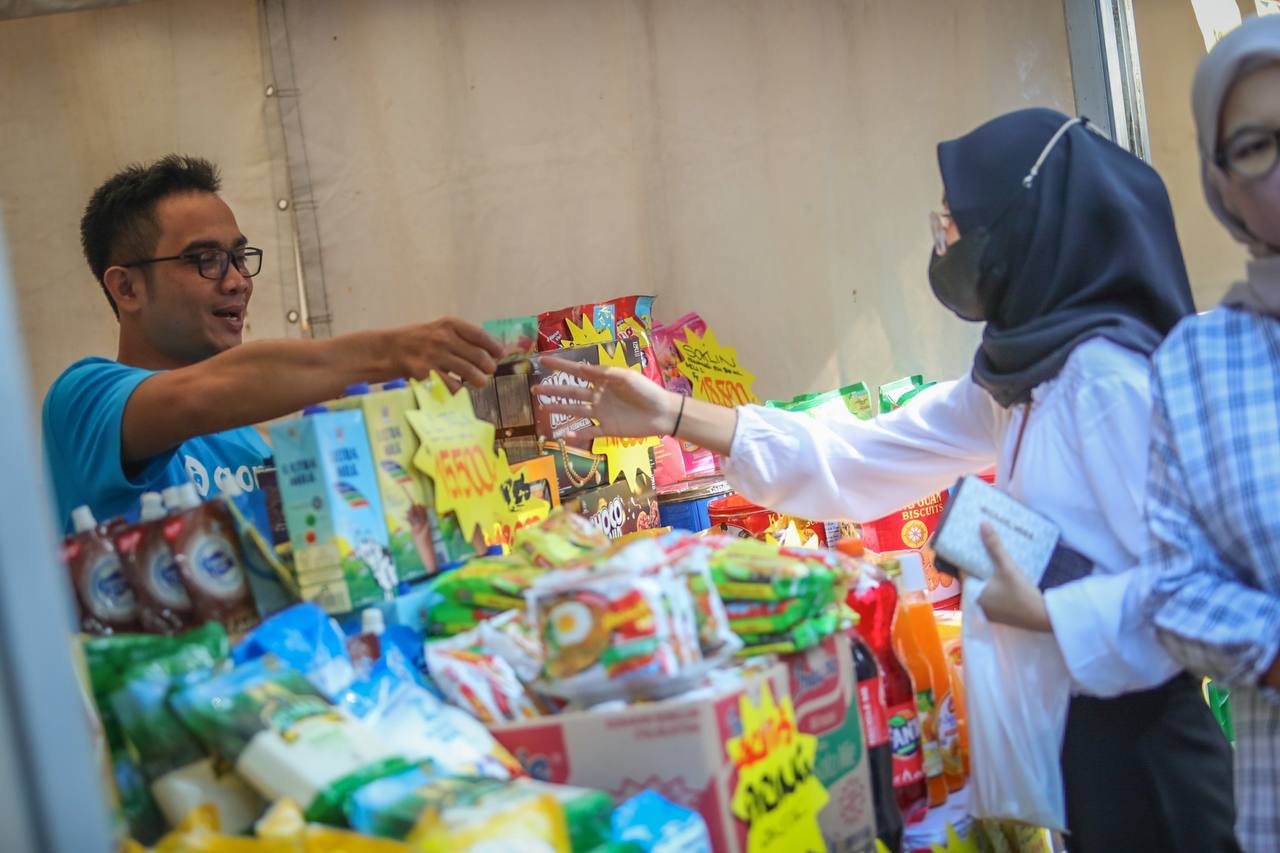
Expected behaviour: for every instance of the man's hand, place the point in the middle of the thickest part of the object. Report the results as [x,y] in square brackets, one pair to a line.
[1010,598]
[455,349]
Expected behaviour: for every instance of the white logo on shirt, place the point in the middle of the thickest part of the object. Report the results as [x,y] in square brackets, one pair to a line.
[199,475]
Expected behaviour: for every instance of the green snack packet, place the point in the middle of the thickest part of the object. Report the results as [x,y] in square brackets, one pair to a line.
[109,660]
[146,824]
[899,392]
[800,638]
[780,617]
[390,807]
[857,399]
[284,738]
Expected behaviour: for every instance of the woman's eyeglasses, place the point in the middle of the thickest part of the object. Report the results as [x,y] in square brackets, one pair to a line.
[1250,152]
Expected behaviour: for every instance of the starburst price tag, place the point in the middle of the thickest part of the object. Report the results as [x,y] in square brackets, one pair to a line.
[714,371]
[778,794]
[457,453]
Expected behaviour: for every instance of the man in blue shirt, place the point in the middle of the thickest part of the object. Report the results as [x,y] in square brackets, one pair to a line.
[180,400]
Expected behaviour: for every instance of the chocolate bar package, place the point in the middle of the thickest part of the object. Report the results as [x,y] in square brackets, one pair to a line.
[576,466]
[617,510]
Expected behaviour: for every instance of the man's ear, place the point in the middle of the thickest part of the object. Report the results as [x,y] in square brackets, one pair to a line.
[125,288]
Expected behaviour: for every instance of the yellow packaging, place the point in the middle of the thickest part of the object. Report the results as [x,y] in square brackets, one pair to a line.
[513,818]
[949,625]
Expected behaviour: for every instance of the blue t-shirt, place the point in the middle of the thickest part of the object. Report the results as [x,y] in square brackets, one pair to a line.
[83,412]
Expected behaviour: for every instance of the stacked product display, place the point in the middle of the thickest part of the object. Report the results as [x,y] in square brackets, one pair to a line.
[441,621]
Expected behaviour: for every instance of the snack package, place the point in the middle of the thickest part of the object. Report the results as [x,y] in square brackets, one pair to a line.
[164,607]
[798,638]
[476,678]
[105,600]
[653,824]
[625,627]
[271,579]
[664,339]
[286,829]
[206,548]
[577,466]
[690,559]
[391,807]
[305,638]
[109,659]
[284,738]
[181,775]
[755,571]
[897,393]
[605,318]
[617,510]
[564,539]
[771,617]
[479,815]
[425,729]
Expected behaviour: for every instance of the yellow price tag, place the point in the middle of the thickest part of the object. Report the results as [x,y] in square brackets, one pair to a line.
[714,372]
[778,794]
[457,453]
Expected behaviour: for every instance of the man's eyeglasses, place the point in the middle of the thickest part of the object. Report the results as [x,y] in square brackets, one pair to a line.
[213,263]
[1251,152]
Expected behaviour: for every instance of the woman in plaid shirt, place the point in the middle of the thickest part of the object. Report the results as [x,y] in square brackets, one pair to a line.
[1214,477]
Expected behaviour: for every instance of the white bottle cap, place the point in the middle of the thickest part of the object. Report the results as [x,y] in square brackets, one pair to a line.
[152,506]
[183,496]
[189,496]
[82,519]
[172,498]
[372,621]
[912,578]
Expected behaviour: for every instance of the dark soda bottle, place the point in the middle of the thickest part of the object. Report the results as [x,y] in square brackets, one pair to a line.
[875,602]
[875,722]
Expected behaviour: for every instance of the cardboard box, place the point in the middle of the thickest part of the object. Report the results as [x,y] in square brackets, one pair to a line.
[617,510]
[823,691]
[676,747]
[910,529]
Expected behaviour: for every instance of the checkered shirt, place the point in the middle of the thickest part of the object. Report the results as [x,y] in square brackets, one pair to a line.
[1213,503]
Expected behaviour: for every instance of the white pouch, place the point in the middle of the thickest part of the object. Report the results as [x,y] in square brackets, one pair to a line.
[1017,689]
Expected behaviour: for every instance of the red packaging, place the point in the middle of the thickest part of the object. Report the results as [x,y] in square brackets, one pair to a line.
[164,607]
[608,316]
[617,510]
[105,601]
[737,516]
[206,548]
[910,529]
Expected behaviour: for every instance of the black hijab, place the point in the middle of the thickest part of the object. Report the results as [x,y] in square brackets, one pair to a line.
[1089,251]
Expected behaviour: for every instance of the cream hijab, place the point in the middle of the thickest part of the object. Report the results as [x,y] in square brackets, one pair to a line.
[1252,45]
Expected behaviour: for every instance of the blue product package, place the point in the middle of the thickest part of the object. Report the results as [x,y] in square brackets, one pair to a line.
[654,824]
[306,639]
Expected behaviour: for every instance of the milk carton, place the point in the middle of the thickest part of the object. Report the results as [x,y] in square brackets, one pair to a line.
[421,541]
[334,511]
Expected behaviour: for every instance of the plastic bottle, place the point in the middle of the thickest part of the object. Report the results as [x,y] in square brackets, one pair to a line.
[875,602]
[949,624]
[106,601]
[912,631]
[875,722]
[365,648]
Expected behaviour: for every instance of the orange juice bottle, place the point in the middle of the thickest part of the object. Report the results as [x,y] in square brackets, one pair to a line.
[907,642]
[924,632]
[949,625]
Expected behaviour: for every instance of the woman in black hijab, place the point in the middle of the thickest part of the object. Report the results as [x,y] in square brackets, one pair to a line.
[1063,244]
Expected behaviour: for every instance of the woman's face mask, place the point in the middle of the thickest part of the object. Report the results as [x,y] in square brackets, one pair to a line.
[957,275]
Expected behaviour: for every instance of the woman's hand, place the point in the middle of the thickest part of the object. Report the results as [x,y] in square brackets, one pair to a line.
[1010,598]
[625,403]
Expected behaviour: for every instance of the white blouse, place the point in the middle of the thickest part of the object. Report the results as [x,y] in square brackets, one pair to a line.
[1082,463]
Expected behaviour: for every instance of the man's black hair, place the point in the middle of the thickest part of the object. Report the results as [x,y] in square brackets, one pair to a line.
[119,223]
